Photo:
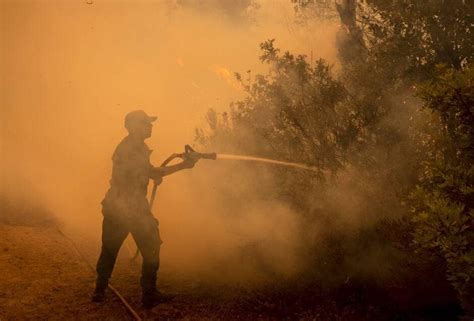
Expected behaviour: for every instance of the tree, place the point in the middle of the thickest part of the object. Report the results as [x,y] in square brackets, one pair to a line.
[297,110]
[443,202]
[367,119]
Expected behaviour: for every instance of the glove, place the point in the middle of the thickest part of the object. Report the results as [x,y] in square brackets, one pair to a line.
[189,162]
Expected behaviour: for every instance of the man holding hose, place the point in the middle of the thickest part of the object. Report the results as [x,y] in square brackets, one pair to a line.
[126,209]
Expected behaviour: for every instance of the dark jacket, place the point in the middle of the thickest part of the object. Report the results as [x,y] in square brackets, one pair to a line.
[126,197]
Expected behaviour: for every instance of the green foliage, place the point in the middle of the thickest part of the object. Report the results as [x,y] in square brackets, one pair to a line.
[367,125]
[296,112]
[406,38]
[443,203]
[419,34]
[451,95]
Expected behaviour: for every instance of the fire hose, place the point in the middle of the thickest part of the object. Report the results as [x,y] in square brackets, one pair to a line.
[189,153]
[127,305]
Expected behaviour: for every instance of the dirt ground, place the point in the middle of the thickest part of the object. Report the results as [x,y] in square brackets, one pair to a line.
[43,278]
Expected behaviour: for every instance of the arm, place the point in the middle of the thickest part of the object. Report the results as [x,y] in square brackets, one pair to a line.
[159,172]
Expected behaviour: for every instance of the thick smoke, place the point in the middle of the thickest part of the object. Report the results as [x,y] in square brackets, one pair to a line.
[73,70]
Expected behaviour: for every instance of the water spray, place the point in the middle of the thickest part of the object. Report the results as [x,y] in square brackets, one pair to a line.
[190,153]
[266,160]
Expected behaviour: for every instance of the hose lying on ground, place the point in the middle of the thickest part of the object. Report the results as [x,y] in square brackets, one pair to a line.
[113,289]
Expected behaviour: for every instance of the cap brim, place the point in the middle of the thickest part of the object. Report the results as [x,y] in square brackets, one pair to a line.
[152,118]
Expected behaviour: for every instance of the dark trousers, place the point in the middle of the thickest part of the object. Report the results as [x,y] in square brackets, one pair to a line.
[146,235]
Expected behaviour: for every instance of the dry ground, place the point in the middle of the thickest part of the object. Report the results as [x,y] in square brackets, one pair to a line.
[42,277]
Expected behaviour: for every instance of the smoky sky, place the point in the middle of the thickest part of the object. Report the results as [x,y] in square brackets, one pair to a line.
[71,71]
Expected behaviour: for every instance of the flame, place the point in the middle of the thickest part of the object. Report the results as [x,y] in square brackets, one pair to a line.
[224,74]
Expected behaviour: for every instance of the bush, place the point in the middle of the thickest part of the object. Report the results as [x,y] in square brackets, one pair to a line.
[443,202]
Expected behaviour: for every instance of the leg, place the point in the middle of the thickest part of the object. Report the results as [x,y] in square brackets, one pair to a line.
[146,235]
[113,235]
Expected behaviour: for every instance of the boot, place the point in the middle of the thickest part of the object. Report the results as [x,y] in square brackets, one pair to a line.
[153,297]
[99,292]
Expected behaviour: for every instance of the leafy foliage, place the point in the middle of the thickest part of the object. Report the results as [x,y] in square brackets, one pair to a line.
[296,112]
[443,203]
[367,125]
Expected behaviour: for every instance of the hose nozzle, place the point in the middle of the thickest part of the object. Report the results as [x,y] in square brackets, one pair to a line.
[191,153]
